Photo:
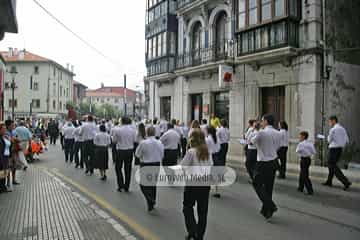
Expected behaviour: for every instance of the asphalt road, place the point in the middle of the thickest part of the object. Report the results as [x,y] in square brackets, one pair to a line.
[330,214]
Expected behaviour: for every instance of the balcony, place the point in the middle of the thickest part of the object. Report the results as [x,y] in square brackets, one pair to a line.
[214,53]
[160,66]
[284,33]
[184,5]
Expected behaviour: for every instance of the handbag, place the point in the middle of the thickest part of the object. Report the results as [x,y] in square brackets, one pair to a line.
[3,174]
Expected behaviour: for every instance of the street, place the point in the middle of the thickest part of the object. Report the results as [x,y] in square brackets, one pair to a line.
[330,214]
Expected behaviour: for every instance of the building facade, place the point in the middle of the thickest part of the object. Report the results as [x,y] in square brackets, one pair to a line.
[79,92]
[42,85]
[275,52]
[116,97]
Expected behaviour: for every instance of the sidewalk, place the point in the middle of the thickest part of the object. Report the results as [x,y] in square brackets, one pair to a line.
[44,207]
[238,162]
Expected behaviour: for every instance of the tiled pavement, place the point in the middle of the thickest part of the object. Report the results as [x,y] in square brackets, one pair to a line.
[44,207]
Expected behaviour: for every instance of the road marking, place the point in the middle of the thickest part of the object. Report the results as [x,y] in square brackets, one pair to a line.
[142,231]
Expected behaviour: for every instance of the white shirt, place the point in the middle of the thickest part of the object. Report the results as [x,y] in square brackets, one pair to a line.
[139,138]
[163,127]
[203,128]
[192,165]
[124,137]
[338,137]
[179,130]
[185,130]
[267,142]
[305,149]
[150,150]
[88,131]
[284,141]
[212,146]
[77,136]
[157,130]
[170,139]
[68,131]
[102,139]
[251,135]
[223,135]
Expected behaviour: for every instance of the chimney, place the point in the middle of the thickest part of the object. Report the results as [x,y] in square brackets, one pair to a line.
[10,53]
[72,68]
[67,66]
[16,52]
[102,85]
[21,55]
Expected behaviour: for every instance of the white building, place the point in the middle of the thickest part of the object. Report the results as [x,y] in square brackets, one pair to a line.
[274,50]
[42,85]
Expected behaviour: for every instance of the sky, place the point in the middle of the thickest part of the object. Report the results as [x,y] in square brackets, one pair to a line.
[115,27]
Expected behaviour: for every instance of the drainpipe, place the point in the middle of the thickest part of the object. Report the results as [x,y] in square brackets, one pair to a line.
[323,78]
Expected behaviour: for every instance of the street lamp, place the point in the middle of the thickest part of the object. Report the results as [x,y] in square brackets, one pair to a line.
[13,73]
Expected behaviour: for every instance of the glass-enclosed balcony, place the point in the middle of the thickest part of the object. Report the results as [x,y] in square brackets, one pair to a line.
[183,3]
[266,37]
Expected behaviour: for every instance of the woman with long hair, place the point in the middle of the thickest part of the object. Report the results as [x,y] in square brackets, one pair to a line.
[5,151]
[102,142]
[195,124]
[213,145]
[284,144]
[196,161]
[140,136]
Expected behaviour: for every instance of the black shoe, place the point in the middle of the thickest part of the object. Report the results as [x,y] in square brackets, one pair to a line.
[281,177]
[25,168]
[15,183]
[300,190]
[126,190]
[217,195]
[119,189]
[150,207]
[347,186]
[188,237]
[76,166]
[327,184]
[103,178]
[310,193]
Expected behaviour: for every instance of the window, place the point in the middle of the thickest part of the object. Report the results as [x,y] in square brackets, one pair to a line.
[154,42]
[36,69]
[253,12]
[265,10]
[221,33]
[242,14]
[54,89]
[279,8]
[11,103]
[7,85]
[102,100]
[35,103]
[196,38]
[60,91]
[54,71]
[60,105]
[172,43]
[116,100]
[36,86]
[159,45]
[164,43]
[54,104]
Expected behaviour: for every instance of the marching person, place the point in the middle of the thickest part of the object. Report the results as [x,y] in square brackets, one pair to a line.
[204,126]
[150,152]
[124,137]
[184,139]
[170,140]
[197,161]
[194,125]
[251,153]
[113,144]
[305,149]
[53,130]
[102,142]
[213,145]
[88,131]
[78,146]
[140,136]
[68,131]
[24,136]
[284,145]
[223,134]
[158,131]
[178,129]
[337,139]
[267,142]
[5,151]
[14,159]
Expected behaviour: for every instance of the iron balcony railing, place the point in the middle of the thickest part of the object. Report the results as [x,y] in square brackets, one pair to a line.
[160,66]
[266,37]
[183,3]
[215,52]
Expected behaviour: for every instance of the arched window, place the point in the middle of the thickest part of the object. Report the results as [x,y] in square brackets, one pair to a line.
[196,41]
[220,32]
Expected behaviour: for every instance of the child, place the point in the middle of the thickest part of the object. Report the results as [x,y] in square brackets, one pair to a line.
[102,142]
[305,149]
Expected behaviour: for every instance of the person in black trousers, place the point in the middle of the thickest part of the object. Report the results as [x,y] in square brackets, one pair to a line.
[197,155]
[53,131]
[282,152]
[305,150]
[337,139]
[68,131]
[79,162]
[267,142]
[124,137]
[88,131]
[150,152]
[251,153]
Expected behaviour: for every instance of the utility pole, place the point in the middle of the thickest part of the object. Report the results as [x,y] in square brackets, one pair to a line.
[125,105]
[13,73]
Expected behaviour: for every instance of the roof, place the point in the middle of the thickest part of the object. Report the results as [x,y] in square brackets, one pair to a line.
[78,83]
[110,92]
[21,56]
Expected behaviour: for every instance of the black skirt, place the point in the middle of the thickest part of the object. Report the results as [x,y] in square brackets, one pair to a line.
[101,160]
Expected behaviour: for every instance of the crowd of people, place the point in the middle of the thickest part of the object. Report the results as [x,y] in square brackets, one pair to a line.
[154,143]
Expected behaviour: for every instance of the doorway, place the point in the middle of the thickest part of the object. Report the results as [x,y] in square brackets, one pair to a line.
[165,108]
[273,102]
[196,107]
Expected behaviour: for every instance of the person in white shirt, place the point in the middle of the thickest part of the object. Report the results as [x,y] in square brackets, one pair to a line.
[282,152]
[337,139]
[251,153]
[204,126]
[267,142]
[78,146]
[87,132]
[185,131]
[102,142]
[194,125]
[171,141]
[178,129]
[212,142]
[197,157]
[223,134]
[150,152]
[305,149]
[140,136]
[163,124]
[113,144]
[124,137]
[68,131]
